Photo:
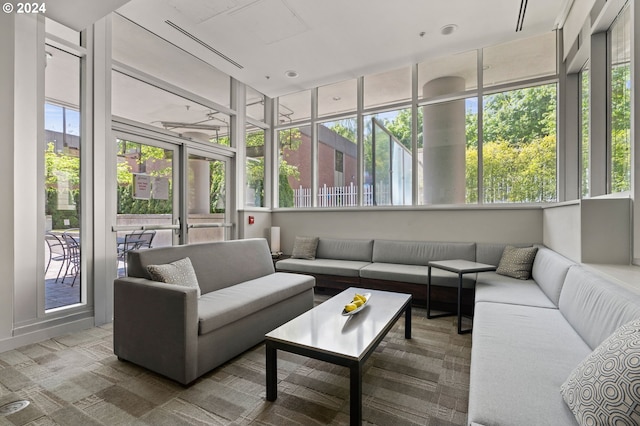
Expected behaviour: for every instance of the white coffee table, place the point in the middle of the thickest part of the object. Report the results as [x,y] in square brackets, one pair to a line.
[324,333]
[460,267]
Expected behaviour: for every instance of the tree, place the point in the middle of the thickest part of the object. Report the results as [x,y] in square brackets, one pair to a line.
[288,140]
[621,128]
[147,159]
[520,116]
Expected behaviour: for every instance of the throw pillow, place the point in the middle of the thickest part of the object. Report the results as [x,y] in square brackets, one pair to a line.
[604,389]
[180,272]
[305,248]
[517,262]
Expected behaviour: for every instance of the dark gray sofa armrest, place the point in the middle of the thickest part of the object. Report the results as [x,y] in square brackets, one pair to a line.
[155,325]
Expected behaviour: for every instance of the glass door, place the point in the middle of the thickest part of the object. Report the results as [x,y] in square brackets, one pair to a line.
[207,198]
[147,199]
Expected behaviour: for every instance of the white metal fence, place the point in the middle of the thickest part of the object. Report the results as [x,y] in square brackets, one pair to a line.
[342,196]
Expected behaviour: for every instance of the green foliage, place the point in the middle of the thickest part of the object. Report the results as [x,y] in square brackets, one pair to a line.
[129,205]
[288,140]
[511,174]
[255,167]
[345,128]
[520,116]
[285,192]
[584,136]
[217,190]
[400,126]
[146,157]
[621,128]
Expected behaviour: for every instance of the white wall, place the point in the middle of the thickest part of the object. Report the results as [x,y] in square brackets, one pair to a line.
[22,314]
[259,229]
[606,230]
[561,229]
[489,224]
[594,230]
[6,174]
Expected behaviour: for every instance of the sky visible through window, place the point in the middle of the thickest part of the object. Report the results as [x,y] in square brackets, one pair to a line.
[57,117]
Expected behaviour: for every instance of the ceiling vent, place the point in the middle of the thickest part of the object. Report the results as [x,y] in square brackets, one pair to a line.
[523,9]
[203,44]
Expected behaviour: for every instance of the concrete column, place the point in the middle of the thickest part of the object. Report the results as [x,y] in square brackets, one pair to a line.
[444,143]
[199,179]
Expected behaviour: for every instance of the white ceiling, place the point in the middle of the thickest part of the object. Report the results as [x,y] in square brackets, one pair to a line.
[333,40]
[80,14]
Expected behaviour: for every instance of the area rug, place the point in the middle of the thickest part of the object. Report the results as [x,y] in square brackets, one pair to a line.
[77,380]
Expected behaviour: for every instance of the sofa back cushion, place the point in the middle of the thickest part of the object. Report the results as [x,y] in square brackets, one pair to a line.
[420,252]
[549,271]
[491,253]
[358,250]
[217,265]
[595,306]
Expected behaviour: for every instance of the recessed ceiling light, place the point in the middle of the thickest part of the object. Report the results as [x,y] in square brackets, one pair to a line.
[291,74]
[448,29]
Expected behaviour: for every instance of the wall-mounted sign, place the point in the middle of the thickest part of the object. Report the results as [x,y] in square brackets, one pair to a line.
[161,188]
[141,186]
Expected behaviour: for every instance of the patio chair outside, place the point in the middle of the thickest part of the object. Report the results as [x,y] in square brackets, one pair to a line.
[57,252]
[73,256]
[145,238]
[134,241]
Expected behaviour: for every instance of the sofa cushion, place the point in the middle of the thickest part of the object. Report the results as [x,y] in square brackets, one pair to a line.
[516,262]
[358,250]
[549,270]
[416,274]
[594,306]
[343,268]
[520,355]
[605,387]
[492,287]
[227,305]
[236,261]
[179,272]
[420,252]
[305,248]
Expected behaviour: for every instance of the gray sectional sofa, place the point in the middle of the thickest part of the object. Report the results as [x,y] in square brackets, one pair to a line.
[168,329]
[529,336]
[394,265]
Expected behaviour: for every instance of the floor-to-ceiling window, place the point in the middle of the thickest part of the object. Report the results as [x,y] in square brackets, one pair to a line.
[255,167]
[337,163]
[174,133]
[63,143]
[584,130]
[620,102]
[388,159]
[482,130]
[294,167]
[519,147]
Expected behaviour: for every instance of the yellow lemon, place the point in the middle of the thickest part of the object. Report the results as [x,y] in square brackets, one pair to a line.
[350,307]
[361,297]
[358,302]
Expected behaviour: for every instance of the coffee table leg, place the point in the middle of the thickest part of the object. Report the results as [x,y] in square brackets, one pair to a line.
[355,397]
[429,292]
[272,373]
[407,321]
